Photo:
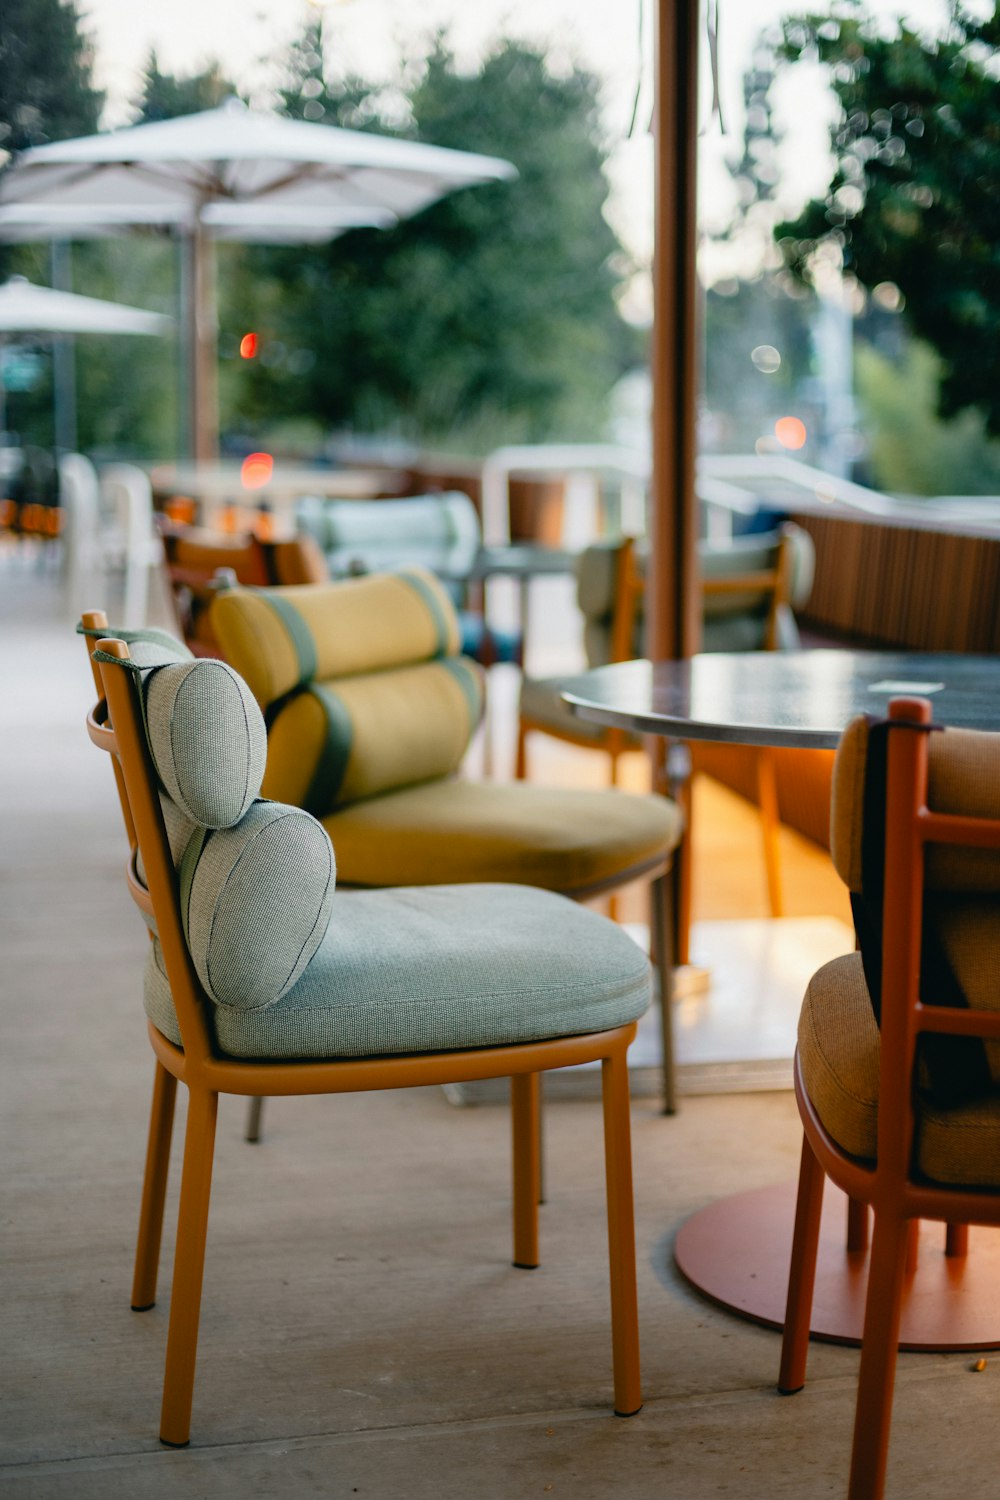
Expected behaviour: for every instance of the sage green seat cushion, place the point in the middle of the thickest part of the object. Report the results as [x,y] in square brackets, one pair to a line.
[449,831]
[839,1059]
[437,969]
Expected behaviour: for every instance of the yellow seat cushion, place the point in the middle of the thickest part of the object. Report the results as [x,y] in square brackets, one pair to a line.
[451,831]
[839,1058]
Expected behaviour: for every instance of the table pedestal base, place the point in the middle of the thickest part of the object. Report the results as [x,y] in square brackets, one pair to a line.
[736,1252]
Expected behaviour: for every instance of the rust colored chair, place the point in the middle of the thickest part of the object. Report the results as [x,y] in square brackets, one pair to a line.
[196,559]
[260,980]
[897,1070]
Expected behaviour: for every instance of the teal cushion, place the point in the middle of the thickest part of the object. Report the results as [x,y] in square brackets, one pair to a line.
[256,902]
[439,968]
[207,739]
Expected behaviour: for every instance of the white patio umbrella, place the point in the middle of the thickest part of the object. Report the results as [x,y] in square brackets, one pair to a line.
[27,308]
[30,309]
[200,173]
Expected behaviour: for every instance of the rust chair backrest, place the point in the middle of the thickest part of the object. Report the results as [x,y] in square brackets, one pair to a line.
[197,562]
[926,897]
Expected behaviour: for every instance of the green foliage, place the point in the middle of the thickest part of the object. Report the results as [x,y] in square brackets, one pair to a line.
[46,63]
[911,450]
[166,95]
[913,199]
[488,317]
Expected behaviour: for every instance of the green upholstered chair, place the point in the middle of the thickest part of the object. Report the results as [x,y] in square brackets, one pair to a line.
[440,531]
[370,709]
[897,1069]
[748,589]
[261,979]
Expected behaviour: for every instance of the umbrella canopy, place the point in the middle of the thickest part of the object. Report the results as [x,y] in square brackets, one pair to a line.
[242,222]
[199,173]
[26,308]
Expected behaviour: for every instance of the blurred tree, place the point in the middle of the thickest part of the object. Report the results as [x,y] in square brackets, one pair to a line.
[491,316]
[46,74]
[913,199]
[911,451]
[46,94]
[166,95]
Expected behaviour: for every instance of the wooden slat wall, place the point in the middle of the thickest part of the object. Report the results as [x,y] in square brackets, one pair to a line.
[897,586]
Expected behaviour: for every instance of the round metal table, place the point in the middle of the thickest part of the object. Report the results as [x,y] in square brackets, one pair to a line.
[736,1251]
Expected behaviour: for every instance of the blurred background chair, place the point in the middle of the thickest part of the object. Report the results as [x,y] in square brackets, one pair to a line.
[370,709]
[440,532]
[749,587]
[246,994]
[198,561]
[897,1074]
[108,531]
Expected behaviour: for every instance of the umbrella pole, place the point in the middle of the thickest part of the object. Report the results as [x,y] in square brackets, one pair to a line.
[202,318]
[63,355]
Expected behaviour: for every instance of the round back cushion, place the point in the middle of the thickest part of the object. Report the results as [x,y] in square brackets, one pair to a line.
[207,738]
[256,902]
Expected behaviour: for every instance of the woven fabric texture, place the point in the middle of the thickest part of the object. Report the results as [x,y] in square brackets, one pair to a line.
[439,969]
[839,1057]
[207,739]
[256,903]
[449,831]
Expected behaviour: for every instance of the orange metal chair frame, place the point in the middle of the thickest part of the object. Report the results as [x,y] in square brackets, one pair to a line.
[891,1185]
[207,1074]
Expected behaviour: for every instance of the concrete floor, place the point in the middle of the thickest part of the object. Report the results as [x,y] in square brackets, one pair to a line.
[363,1332]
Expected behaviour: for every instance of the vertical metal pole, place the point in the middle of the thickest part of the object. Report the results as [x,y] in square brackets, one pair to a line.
[201,322]
[63,355]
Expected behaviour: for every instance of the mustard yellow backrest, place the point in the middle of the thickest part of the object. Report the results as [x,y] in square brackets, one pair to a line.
[280,637]
[360,680]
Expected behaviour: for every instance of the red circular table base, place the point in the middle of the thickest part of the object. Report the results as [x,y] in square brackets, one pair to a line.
[736,1252]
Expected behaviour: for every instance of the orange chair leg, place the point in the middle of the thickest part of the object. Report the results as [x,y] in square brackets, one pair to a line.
[189,1264]
[858,1225]
[802,1276]
[255,1116]
[154,1189]
[956,1241]
[767,792]
[661,895]
[525,1121]
[878,1358]
[521,763]
[621,1234]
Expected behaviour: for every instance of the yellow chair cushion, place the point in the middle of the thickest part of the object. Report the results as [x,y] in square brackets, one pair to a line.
[452,831]
[839,1059]
[315,632]
[334,743]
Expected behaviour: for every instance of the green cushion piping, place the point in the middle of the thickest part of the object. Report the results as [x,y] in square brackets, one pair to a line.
[188,865]
[429,597]
[332,763]
[465,676]
[298,630]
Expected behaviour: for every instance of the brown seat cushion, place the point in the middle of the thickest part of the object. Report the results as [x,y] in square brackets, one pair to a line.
[452,831]
[839,1059]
